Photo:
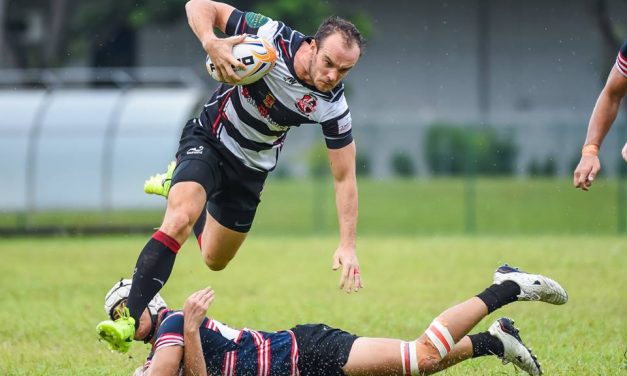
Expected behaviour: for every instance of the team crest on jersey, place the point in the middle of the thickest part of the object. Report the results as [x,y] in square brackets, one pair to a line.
[307,104]
[269,100]
[256,20]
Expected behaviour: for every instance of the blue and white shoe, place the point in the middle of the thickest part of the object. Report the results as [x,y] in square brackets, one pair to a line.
[533,287]
[515,351]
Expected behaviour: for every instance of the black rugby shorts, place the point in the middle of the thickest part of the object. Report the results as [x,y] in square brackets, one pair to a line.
[233,190]
[322,350]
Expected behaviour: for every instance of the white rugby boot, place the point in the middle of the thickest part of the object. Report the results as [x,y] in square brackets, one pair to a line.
[533,287]
[515,351]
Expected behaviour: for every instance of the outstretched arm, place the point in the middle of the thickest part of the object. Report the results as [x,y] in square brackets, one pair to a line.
[194,311]
[203,16]
[603,116]
[343,168]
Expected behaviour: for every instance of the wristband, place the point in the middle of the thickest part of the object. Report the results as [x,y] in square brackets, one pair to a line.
[590,150]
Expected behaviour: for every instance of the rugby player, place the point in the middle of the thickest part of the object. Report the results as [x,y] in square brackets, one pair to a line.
[603,115]
[188,341]
[225,154]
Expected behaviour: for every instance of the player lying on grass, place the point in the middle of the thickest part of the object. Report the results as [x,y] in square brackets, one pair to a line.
[188,341]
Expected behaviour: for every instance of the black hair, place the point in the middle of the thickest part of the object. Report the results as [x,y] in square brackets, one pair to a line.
[347,29]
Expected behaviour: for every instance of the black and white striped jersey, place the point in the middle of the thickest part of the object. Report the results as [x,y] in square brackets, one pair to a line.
[621,60]
[252,121]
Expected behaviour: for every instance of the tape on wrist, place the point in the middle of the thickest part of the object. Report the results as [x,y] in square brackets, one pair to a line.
[590,150]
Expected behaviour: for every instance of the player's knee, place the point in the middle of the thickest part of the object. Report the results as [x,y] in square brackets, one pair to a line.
[215,263]
[178,223]
[216,266]
[433,346]
[419,357]
[428,356]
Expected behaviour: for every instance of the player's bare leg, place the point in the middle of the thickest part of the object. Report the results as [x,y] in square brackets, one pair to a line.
[446,343]
[186,201]
[382,356]
[219,244]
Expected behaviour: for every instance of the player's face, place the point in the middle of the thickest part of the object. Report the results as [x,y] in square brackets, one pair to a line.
[331,62]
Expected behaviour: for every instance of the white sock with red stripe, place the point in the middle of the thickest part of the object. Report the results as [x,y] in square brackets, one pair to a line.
[440,337]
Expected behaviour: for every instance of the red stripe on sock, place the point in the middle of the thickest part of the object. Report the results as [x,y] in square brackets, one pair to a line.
[167,240]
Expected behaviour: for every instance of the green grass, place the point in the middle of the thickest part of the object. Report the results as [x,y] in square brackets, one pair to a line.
[401,207]
[52,295]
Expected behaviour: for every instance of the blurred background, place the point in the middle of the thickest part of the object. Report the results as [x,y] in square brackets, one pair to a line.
[469,116]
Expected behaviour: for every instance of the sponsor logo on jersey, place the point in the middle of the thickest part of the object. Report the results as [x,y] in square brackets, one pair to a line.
[344,124]
[307,104]
[240,224]
[255,20]
[195,151]
[290,80]
[268,102]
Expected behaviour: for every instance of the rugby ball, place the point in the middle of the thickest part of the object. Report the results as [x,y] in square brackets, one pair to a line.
[257,55]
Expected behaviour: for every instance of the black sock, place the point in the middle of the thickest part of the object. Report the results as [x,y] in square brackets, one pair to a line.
[153,268]
[496,296]
[200,225]
[485,344]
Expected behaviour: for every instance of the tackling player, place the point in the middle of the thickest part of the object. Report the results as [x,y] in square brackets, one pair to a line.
[603,116]
[226,153]
[188,341]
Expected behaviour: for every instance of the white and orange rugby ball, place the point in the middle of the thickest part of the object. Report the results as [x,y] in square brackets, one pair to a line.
[257,55]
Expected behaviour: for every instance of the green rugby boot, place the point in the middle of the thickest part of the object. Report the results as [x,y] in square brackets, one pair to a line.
[119,334]
[160,184]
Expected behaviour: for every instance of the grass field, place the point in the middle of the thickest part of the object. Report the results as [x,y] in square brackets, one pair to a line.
[400,207]
[52,295]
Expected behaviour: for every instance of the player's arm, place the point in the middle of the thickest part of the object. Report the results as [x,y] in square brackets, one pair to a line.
[342,163]
[194,311]
[603,115]
[205,15]
[193,359]
[165,362]
[606,108]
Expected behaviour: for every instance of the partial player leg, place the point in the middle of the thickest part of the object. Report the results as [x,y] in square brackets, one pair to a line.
[501,340]
[160,184]
[199,227]
[156,260]
[510,284]
[229,214]
[446,343]
[155,263]
[377,356]
[219,244]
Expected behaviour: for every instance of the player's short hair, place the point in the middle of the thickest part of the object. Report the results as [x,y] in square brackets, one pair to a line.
[347,29]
